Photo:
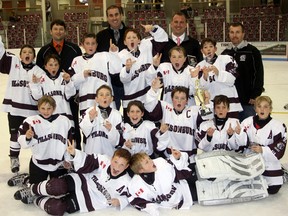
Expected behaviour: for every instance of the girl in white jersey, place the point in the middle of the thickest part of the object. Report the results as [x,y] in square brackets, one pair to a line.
[142,135]
[18,102]
[268,137]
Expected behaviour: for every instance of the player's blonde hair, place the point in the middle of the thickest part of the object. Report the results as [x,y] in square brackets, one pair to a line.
[135,162]
[260,99]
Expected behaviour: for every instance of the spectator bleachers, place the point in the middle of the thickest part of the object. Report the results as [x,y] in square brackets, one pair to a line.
[76,22]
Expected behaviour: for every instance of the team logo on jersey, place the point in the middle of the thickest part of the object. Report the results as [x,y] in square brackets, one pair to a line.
[74,63]
[102,164]
[36,121]
[270,135]
[166,72]
[168,108]
[17,66]
[243,58]
[139,192]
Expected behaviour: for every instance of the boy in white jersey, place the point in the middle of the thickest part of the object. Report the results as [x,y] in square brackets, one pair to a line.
[220,73]
[18,102]
[268,137]
[142,135]
[137,58]
[159,183]
[182,121]
[222,132]
[175,73]
[46,135]
[99,182]
[91,70]
[56,84]
[101,124]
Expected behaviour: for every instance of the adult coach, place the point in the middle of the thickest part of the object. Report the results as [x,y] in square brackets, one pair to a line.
[114,31]
[250,79]
[179,37]
[67,51]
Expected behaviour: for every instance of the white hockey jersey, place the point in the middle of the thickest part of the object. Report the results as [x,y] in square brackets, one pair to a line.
[49,143]
[182,127]
[94,185]
[273,139]
[172,79]
[223,84]
[18,100]
[220,139]
[99,139]
[102,64]
[134,81]
[58,89]
[144,138]
[168,190]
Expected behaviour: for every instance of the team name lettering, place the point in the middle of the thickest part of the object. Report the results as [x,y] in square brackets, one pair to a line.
[20,83]
[165,197]
[139,140]
[101,188]
[140,70]
[221,146]
[181,129]
[99,134]
[99,75]
[55,93]
[52,136]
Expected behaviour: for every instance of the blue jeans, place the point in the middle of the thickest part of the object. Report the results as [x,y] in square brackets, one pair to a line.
[248,110]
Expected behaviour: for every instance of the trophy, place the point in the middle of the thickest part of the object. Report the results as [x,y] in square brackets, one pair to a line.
[200,99]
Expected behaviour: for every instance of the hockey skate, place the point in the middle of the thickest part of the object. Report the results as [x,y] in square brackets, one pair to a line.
[18,180]
[22,193]
[285,170]
[228,192]
[15,164]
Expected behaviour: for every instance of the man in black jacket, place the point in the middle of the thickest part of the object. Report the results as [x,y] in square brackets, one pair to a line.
[179,37]
[115,31]
[67,51]
[250,79]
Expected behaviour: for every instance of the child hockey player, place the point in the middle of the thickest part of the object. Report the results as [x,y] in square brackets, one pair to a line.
[142,135]
[182,121]
[47,135]
[160,184]
[101,124]
[268,137]
[92,70]
[137,58]
[220,73]
[18,102]
[56,84]
[221,132]
[99,182]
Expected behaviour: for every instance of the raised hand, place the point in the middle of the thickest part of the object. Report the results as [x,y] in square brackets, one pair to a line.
[66,76]
[176,153]
[93,113]
[107,125]
[147,28]
[129,64]
[70,147]
[210,131]
[113,47]
[230,130]
[128,144]
[35,79]
[156,84]
[157,59]
[29,133]
[194,71]
[237,128]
